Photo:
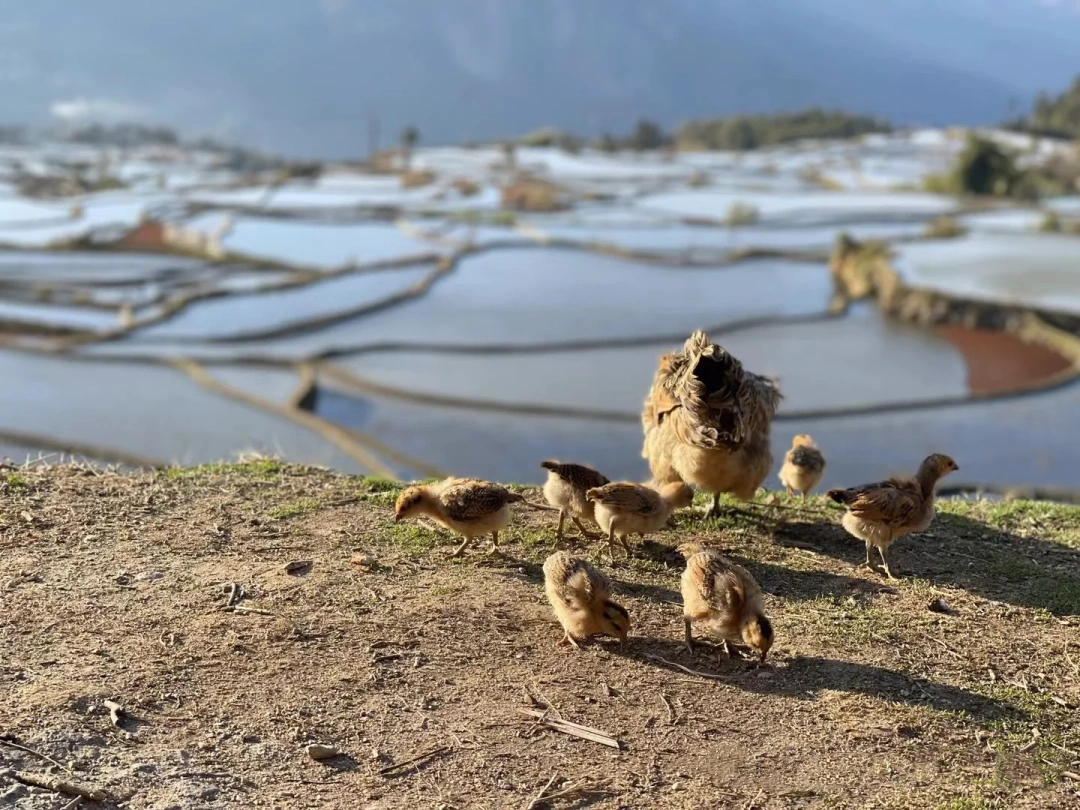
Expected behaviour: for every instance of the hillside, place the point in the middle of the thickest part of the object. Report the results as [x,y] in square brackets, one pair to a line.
[118,587]
[302,75]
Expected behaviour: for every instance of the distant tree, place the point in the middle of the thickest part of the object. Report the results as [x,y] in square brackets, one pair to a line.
[410,136]
[753,131]
[985,168]
[607,143]
[1054,116]
[647,135]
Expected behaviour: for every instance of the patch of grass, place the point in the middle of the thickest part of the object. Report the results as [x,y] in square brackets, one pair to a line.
[16,481]
[413,539]
[303,506]
[378,483]
[261,468]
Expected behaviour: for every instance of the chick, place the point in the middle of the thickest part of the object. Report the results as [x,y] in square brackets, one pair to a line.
[707,422]
[466,506]
[879,513]
[624,508]
[803,466]
[726,597]
[581,598]
[566,487]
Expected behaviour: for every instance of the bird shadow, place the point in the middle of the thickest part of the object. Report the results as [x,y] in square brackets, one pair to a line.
[996,564]
[804,677]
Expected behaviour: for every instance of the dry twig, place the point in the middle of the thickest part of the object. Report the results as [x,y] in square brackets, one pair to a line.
[573,729]
[445,749]
[47,782]
[116,712]
[11,742]
[540,796]
[687,670]
[670,709]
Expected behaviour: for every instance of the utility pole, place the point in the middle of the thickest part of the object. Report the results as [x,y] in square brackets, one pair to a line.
[373,136]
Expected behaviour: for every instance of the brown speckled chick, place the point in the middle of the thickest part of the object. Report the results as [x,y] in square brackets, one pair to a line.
[581,598]
[467,506]
[624,508]
[725,597]
[566,487]
[879,513]
[803,466]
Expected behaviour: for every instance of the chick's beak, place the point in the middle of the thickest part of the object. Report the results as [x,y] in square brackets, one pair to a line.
[763,656]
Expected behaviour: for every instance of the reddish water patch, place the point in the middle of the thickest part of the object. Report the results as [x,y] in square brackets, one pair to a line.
[998,362]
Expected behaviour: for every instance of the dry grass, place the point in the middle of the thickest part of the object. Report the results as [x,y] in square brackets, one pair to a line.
[530,194]
[118,587]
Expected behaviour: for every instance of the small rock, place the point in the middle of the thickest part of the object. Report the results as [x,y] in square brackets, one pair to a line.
[940,606]
[150,576]
[365,561]
[298,567]
[319,752]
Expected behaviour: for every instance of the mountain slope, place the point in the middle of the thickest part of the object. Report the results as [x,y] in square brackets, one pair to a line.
[301,75]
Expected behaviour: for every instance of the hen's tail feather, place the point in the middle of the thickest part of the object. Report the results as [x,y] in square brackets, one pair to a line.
[839,495]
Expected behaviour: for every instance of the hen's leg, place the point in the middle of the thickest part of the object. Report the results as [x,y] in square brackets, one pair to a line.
[562,521]
[885,563]
[714,510]
[568,640]
[460,549]
[611,541]
[688,636]
[585,532]
[495,543]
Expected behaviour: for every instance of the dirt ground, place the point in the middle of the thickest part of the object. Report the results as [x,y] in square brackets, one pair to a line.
[416,667]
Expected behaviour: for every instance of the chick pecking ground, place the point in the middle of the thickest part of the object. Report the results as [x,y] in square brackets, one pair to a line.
[239,613]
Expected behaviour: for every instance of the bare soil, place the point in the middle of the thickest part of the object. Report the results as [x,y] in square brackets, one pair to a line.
[118,587]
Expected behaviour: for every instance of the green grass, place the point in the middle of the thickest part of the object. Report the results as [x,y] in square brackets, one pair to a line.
[377,483]
[285,511]
[262,468]
[16,481]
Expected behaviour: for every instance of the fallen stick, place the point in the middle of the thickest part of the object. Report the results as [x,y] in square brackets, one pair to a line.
[569,791]
[11,742]
[73,803]
[428,755]
[670,709]
[116,712]
[246,609]
[540,796]
[687,670]
[573,729]
[47,782]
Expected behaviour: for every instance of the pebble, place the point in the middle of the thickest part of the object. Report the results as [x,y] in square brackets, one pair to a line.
[319,751]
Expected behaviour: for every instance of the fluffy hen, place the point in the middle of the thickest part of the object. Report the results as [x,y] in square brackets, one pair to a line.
[707,421]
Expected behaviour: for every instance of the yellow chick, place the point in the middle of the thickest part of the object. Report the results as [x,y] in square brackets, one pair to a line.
[803,466]
[624,508]
[725,597]
[880,513]
[566,487]
[581,598]
[467,506]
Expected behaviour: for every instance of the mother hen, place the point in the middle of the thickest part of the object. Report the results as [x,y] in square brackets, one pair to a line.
[707,422]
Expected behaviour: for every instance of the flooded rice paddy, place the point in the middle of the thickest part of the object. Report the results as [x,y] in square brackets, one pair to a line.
[357,324]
